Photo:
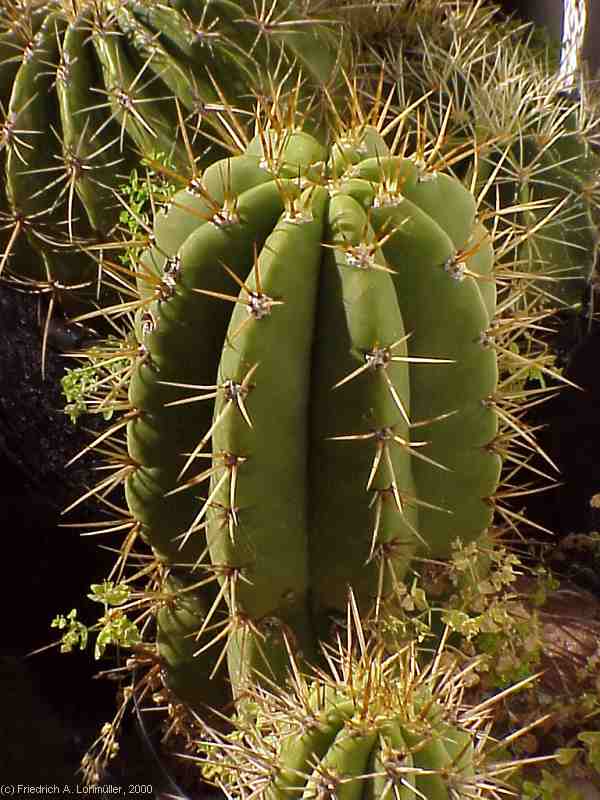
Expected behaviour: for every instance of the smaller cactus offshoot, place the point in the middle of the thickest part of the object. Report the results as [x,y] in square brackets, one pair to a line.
[375,724]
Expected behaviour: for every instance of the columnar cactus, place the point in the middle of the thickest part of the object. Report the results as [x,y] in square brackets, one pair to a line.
[87,88]
[313,397]
[318,345]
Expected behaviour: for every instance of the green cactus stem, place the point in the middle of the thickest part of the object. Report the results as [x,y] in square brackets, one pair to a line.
[314,389]
[313,377]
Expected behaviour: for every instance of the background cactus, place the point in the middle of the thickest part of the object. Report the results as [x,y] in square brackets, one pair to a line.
[485,80]
[88,88]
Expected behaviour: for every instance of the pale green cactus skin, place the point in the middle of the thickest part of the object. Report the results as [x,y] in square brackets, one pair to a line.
[330,330]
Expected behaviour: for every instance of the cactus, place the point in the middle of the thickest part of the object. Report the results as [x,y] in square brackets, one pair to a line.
[87,88]
[332,369]
[368,725]
[326,370]
[313,392]
[485,80]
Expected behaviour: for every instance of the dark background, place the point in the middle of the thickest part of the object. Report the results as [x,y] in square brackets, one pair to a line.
[52,705]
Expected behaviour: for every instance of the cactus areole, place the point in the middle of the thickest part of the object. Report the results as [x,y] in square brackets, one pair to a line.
[311,401]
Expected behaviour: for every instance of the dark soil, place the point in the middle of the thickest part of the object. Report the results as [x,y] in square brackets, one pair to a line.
[55,705]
